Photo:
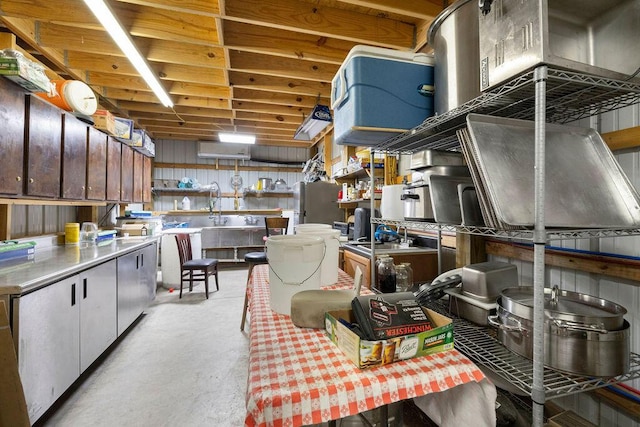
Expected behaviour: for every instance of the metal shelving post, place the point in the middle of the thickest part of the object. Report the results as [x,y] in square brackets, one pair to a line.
[539,242]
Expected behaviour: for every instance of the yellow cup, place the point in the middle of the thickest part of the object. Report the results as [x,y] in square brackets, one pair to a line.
[72,233]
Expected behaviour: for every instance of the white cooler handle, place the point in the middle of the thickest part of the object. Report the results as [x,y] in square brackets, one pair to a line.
[342,80]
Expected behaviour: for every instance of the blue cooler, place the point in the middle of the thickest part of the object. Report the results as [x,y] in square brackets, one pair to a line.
[379,93]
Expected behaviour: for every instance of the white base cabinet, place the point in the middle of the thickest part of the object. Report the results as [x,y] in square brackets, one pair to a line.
[62,328]
[136,284]
[48,343]
[98,312]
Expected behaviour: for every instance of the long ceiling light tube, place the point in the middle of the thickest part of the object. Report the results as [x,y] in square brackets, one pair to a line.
[105,15]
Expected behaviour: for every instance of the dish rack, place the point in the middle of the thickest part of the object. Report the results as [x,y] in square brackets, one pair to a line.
[544,95]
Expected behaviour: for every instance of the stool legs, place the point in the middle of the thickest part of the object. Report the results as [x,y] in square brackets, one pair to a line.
[246,297]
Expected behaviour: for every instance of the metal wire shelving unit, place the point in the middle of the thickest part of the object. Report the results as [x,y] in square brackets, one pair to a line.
[480,344]
[544,95]
[570,96]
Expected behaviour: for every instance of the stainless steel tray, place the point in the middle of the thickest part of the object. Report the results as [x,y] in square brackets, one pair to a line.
[585,186]
[444,198]
[470,205]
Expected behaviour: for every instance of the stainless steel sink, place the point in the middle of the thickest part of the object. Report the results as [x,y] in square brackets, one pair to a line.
[387,248]
[232,236]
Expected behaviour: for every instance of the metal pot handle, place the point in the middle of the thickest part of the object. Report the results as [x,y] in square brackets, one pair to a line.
[493,321]
[573,326]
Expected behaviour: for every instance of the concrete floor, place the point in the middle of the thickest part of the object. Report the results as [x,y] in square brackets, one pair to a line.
[184,363]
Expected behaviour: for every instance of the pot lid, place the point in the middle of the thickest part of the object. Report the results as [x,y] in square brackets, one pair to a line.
[561,302]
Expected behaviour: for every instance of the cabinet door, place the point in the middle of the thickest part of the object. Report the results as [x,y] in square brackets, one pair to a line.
[96,165]
[128,290]
[114,159]
[138,172]
[12,114]
[44,147]
[98,311]
[126,175]
[74,157]
[146,179]
[351,261]
[47,325]
[148,273]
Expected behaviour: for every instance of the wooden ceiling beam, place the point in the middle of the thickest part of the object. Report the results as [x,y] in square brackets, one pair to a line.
[165,71]
[270,108]
[210,8]
[282,67]
[279,84]
[268,97]
[314,18]
[134,107]
[143,96]
[419,9]
[288,44]
[98,41]
[139,20]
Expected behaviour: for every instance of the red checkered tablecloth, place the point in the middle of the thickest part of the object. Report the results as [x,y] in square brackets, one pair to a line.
[297,376]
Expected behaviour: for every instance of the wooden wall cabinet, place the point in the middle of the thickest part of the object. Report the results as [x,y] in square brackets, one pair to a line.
[43,136]
[12,115]
[146,179]
[114,160]
[96,165]
[126,174]
[51,154]
[138,174]
[74,157]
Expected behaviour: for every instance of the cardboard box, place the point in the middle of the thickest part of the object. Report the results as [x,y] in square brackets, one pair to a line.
[105,121]
[123,128]
[367,354]
[25,73]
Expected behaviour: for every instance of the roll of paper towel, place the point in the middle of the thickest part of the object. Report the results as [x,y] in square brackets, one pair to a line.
[391,205]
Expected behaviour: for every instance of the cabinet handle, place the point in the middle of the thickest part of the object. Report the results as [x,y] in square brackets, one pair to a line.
[73,295]
[84,288]
[30,180]
[141,260]
[18,178]
[137,262]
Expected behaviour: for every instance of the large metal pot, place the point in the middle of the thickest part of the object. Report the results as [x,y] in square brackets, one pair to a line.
[572,349]
[453,35]
[565,306]
[583,334]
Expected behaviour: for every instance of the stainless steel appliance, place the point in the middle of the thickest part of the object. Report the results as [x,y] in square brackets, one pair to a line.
[417,202]
[590,36]
[316,202]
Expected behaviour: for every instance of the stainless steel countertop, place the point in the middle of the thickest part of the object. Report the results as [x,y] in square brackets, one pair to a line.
[57,262]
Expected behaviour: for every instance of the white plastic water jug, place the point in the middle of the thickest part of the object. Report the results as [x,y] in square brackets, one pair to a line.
[186,204]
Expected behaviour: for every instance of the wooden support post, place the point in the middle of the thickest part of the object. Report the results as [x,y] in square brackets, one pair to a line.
[621,139]
[87,214]
[470,249]
[5,222]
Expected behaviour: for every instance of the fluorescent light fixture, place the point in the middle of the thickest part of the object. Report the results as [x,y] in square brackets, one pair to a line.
[237,138]
[105,15]
[314,123]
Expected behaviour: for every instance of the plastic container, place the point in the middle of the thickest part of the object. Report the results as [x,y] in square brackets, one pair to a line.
[186,204]
[294,266]
[329,268]
[380,90]
[72,233]
[391,205]
[73,95]
[312,226]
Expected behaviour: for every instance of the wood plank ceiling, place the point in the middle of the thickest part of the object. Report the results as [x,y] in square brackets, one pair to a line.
[251,66]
